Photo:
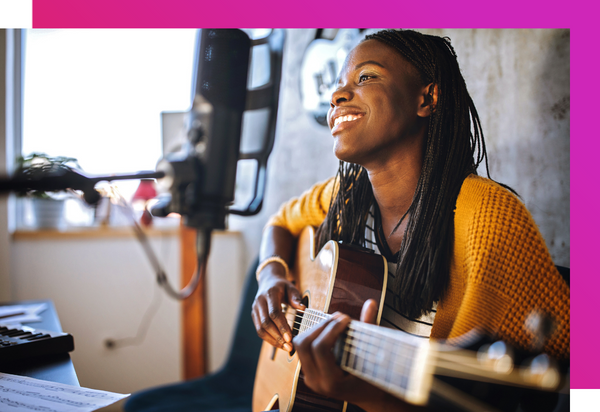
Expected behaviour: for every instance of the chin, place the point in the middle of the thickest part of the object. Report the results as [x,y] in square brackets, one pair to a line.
[345,155]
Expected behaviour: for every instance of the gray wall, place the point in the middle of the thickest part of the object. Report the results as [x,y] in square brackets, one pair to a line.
[519,80]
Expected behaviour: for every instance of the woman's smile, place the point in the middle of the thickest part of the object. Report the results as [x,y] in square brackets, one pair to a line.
[343,122]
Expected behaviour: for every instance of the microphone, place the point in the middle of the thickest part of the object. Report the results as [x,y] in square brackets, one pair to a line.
[201,177]
[54,179]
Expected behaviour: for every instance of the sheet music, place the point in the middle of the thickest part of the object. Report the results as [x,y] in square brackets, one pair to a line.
[20,393]
[16,314]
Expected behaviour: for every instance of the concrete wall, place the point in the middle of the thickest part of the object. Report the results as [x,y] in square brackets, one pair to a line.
[519,80]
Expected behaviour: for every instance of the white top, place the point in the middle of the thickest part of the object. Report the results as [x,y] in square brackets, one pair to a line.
[390,317]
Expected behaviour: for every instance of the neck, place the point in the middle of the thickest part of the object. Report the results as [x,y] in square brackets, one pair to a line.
[394,183]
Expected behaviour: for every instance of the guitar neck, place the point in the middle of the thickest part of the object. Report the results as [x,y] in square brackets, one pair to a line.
[404,365]
[394,361]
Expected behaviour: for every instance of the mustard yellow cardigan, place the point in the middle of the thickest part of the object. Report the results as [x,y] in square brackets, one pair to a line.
[501,270]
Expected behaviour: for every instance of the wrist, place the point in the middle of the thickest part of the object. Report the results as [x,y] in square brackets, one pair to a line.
[273,265]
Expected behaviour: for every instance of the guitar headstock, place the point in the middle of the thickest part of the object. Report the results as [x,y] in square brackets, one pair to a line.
[483,370]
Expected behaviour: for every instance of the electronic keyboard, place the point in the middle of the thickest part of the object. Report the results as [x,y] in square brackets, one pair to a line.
[22,342]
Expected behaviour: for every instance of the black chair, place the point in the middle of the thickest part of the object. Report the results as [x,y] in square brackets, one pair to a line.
[227,390]
[565,273]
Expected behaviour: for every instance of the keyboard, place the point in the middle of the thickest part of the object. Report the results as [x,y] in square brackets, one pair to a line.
[18,343]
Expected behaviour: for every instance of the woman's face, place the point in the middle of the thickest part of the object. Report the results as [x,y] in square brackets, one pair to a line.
[378,107]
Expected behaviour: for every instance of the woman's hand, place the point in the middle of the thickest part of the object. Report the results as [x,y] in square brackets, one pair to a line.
[323,376]
[267,315]
[321,373]
[274,289]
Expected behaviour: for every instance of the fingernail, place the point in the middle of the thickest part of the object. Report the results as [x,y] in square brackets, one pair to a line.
[287,337]
[287,347]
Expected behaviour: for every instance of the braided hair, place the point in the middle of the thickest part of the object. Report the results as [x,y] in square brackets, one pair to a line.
[453,150]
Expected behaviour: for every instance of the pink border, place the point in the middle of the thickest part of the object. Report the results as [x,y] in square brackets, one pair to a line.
[506,14]
[313,13]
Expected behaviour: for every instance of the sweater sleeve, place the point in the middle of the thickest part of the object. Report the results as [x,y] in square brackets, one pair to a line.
[309,209]
[510,274]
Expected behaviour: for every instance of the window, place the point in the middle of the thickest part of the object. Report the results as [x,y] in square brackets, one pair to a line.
[97,96]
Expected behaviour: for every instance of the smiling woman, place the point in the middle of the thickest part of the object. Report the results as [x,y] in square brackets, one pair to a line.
[463,251]
[378,92]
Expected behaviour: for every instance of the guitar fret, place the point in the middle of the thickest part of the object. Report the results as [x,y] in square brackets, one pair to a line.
[314,319]
[389,348]
[354,352]
[345,352]
[304,325]
[361,354]
[380,358]
[370,355]
[396,373]
[348,348]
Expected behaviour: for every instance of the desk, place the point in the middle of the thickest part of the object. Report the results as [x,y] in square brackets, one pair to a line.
[56,368]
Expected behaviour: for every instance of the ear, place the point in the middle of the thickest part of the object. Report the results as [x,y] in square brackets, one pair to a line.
[428,100]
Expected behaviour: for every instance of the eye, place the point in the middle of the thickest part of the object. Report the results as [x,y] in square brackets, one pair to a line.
[365,77]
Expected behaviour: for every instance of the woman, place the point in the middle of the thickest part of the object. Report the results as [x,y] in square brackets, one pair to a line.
[464,251]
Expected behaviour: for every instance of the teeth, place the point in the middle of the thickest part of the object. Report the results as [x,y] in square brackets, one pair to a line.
[347,118]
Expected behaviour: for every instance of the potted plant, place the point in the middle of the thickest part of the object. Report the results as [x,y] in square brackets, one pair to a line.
[47,207]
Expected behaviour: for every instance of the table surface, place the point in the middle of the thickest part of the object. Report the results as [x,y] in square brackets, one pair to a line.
[55,368]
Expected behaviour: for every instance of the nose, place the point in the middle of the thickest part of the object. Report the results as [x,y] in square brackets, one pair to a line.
[342,94]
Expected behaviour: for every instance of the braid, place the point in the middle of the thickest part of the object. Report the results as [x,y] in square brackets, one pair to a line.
[453,151]
[348,211]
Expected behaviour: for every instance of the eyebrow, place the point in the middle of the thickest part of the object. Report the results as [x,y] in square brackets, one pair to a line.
[359,65]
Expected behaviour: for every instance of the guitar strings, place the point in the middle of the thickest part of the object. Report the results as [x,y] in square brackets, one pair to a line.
[359,358]
[353,339]
[460,364]
[455,356]
[350,332]
[362,356]
[363,350]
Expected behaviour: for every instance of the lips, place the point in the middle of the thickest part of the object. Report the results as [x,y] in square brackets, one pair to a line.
[343,118]
[347,118]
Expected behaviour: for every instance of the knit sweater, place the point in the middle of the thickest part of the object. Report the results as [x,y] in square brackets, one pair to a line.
[500,271]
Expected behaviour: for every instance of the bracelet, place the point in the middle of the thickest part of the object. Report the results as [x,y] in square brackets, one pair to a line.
[271,259]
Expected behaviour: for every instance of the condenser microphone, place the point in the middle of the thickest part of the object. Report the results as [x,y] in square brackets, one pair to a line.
[225,105]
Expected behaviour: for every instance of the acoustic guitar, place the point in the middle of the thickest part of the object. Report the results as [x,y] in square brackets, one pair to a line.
[341,278]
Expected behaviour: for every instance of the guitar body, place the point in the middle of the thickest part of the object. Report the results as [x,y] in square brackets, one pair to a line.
[339,278]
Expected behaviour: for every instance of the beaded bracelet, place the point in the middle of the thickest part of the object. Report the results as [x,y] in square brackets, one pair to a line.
[271,259]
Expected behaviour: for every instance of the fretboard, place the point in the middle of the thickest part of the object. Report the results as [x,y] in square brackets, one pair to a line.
[404,365]
[391,360]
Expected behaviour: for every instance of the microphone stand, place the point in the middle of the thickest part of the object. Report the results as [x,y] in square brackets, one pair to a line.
[64,178]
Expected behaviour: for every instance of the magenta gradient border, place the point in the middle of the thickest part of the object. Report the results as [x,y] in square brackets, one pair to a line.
[575,15]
